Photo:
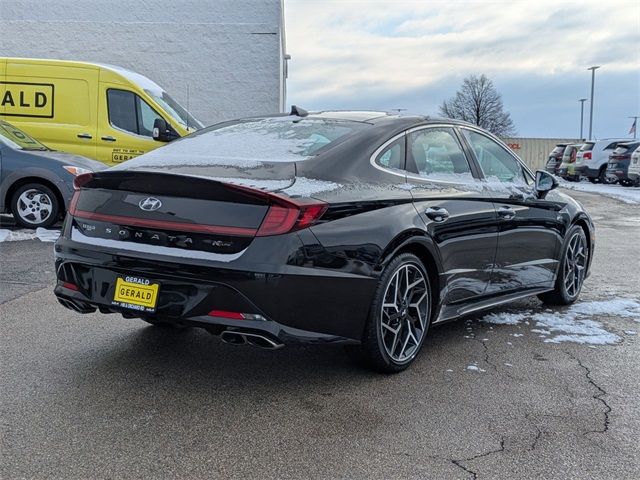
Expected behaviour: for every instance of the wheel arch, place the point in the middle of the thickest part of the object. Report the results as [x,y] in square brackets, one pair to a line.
[587,226]
[423,247]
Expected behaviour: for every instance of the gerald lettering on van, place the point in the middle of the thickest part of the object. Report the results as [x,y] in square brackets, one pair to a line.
[21,99]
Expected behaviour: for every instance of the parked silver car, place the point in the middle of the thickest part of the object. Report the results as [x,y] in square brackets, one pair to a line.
[36,183]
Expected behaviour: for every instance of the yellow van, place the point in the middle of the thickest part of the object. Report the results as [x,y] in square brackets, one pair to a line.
[95,110]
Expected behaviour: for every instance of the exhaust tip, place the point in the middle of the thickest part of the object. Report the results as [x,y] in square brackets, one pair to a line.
[234,338]
[255,339]
[263,342]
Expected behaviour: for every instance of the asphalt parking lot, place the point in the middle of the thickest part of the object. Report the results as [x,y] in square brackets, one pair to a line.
[95,396]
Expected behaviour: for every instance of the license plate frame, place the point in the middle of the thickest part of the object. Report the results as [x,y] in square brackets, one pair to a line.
[135,293]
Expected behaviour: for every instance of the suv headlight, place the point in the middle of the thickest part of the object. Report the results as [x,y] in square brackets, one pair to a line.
[76,170]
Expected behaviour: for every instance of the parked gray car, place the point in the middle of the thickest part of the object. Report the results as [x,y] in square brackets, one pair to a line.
[36,183]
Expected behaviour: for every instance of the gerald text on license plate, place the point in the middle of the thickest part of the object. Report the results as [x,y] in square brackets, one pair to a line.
[135,293]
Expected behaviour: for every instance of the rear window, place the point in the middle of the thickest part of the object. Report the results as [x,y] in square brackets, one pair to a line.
[276,138]
[558,149]
[587,147]
[611,146]
[624,147]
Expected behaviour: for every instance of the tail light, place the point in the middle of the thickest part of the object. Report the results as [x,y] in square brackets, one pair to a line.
[586,156]
[81,180]
[286,214]
[288,218]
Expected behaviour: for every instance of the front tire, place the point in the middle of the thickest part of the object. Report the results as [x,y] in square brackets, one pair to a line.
[399,317]
[571,271]
[35,205]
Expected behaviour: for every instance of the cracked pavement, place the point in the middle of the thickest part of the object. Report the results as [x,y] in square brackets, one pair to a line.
[95,396]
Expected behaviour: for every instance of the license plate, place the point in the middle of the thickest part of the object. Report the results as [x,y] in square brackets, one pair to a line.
[136,293]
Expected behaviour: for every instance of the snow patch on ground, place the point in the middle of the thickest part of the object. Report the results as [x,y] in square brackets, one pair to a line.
[575,323]
[626,194]
[41,234]
[475,368]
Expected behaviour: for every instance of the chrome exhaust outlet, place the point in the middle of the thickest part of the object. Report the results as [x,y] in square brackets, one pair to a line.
[234,338]
[262,341]
[255,339]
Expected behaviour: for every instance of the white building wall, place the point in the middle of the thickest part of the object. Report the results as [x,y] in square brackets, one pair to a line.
[221,59]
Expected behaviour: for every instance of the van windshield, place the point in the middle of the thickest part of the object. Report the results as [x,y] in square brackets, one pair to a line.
[173,108]
[16,138]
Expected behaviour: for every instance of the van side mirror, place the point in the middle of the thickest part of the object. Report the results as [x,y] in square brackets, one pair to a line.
[163,132]
[545,182]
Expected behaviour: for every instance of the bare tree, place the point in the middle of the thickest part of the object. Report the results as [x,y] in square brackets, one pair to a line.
[478,102]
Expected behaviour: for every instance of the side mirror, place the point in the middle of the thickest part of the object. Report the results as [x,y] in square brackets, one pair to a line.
[163,132]
[545,182]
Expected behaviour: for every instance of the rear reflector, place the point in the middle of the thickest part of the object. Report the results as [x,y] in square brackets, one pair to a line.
[70,286]
[226,314]
[235,315]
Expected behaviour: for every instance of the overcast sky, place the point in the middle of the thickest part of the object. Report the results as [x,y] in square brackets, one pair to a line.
[414,54]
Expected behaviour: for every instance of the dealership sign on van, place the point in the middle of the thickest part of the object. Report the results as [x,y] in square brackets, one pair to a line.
[18,99]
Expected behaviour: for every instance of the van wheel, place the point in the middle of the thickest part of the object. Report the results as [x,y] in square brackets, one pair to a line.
[399,317]
[35,205]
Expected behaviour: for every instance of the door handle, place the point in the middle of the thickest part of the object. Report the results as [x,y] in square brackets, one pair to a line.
[437,214]
[84,135]
[507,213]
[108,139]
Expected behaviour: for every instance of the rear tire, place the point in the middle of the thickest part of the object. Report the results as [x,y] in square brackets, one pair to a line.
[571,271]
[399,317]
[35,205]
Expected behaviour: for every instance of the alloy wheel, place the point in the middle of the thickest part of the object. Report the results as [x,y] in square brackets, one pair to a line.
[575,264]
[34,206]
[405,313]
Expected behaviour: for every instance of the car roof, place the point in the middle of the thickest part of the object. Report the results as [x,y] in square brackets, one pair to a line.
[375,117]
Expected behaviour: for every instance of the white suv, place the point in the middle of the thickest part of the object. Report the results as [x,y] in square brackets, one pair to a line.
[634,167]
[592,158]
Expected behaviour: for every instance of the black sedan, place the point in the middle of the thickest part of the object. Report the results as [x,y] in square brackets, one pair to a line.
[361,228]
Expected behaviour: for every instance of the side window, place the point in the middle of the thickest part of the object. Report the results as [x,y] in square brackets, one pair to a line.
[495,161]
[146,117]
[122,110]
[129,112]
[393,155]
[436,152]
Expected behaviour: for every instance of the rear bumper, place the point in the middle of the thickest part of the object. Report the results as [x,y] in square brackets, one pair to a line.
[586,171]
[297,304]
[620,174]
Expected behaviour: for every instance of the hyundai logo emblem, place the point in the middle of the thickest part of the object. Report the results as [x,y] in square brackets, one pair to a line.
[150,204]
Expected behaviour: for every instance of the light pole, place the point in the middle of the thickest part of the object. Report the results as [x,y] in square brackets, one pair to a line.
[593,81]
[582,100]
